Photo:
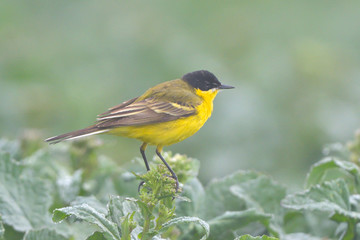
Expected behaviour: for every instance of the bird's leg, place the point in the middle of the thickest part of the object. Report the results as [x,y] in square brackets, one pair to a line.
[142,151]
[173,175]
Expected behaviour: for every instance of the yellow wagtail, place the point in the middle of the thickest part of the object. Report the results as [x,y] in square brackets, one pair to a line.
[165,114]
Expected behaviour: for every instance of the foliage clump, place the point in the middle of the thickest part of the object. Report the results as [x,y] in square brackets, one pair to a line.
[354,148]
[68,191]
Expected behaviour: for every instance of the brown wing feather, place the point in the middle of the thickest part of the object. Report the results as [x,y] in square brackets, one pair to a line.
[119,106]
[145,112]
[165,102]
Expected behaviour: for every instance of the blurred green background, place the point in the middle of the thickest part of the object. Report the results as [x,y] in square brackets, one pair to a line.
[295,66]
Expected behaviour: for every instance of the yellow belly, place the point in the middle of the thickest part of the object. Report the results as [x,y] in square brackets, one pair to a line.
[167,133]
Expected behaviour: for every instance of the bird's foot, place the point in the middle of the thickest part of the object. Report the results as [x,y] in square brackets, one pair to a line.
[176,181]
[173,177]
[140,186]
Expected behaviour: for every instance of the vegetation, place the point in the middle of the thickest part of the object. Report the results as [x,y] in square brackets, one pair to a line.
[69,191]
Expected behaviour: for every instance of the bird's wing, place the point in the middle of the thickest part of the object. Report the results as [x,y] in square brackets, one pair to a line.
[154,109]
[117,107]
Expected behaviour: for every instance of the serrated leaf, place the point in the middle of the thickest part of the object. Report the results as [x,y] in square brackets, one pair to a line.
[180,220]
[43,234]
[41,164]
[263,194]
[308,222]
[301,236]
[194,191]
[127,226]
[269,199]
[249,237]
[231,221]
[69,186]
[120,207]
[355,202]
[96,236]
[2,230]
[75,230]
[220,199]
[81,229]
[331,197]
[86,213]
[11,147]
[331,169]
[24,201]
[92,201]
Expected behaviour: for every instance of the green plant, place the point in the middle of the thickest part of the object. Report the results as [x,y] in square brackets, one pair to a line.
[68,191]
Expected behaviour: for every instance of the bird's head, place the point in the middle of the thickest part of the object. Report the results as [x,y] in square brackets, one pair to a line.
[204,80]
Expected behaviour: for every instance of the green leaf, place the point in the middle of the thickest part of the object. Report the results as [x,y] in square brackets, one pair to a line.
[249,237]
[308,222]
[2,230]
[42,164]
[240,191]
[332,168]
[74,229]
[220,199]
[43,234]
[24,200]
[11,147]
[263,194]
[92,201]
[332,197]
[269,199]
[301,236]
[69,186]
[355,202]
[86,213]
[179,220]
[228,222]
[96,236]
[194,191]
[81,229]
[120,207]
[329,197]
[125,212]
[232,195]
[127,226]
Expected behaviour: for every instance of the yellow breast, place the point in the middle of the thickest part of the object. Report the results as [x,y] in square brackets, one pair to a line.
[167,133]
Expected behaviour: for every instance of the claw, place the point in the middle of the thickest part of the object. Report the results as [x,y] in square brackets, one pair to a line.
[140,185]
[176,181]
[177,185]
[173,175]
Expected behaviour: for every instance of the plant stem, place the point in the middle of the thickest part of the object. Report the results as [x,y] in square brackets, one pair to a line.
[126,237]
[146,229]
[350,231]
[147,222]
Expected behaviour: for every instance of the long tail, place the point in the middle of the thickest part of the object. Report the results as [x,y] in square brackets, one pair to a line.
[76,134]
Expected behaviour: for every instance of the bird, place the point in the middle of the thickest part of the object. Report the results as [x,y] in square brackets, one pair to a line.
[164,115]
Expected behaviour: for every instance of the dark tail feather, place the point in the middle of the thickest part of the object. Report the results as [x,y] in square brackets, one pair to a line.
[76,134]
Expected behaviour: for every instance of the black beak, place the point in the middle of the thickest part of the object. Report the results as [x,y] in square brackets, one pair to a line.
[222,86]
